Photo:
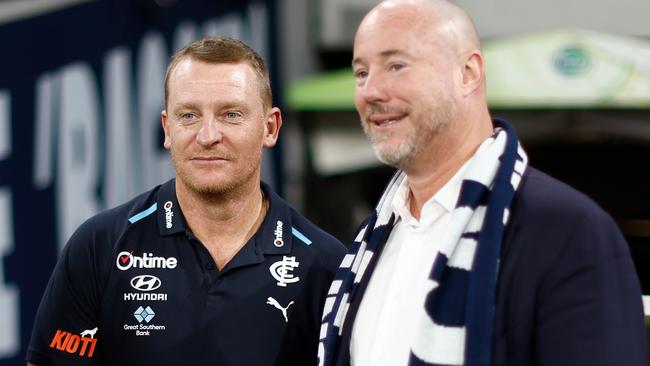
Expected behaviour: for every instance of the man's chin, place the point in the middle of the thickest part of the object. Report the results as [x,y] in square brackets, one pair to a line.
[395,158]
[209,188]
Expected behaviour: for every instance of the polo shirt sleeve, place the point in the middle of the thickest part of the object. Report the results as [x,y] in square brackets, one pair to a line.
[65,329]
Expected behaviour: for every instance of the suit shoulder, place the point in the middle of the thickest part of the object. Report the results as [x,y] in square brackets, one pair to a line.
[544,197]
[552,216]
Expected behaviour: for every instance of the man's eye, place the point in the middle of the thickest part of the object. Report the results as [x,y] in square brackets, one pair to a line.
[232,115]
[188,116]
[397,67]
[360,74]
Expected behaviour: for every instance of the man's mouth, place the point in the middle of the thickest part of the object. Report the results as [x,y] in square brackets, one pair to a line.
[208,158]
[204,158]
[385,120]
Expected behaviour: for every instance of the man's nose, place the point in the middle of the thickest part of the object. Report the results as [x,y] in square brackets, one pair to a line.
[373,89]
[209,132]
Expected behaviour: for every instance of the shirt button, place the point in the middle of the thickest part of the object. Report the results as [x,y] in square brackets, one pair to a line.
[209,266]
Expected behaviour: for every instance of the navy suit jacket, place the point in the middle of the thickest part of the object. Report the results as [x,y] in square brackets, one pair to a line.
[567,293]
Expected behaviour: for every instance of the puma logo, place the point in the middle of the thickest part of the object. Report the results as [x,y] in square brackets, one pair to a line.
[276,304]
[89,332]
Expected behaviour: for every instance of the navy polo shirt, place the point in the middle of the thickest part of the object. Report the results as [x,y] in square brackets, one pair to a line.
[133,286]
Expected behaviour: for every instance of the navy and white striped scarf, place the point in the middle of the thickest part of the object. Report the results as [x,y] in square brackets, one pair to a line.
[457,316]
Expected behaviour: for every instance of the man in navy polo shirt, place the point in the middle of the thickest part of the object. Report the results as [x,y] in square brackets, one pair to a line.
[209,268]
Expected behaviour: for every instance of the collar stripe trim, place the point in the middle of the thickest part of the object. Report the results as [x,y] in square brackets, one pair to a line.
[300,236]
[137,217]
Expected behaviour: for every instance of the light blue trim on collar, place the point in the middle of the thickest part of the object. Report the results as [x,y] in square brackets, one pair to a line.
[300,236]
[137,217]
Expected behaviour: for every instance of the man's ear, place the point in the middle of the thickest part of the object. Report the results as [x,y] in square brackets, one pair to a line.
[473,72]
[272,126]
[164,120]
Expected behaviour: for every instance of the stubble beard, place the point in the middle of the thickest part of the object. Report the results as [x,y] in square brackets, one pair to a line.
[223,188]
[396,156]
[424,132]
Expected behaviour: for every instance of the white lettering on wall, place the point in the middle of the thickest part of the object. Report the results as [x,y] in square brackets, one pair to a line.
[77,165]
[259,29]
[152,65]
[9,301]
[121,177]
[43,138]
[5,126]
[9,304]
[258,22]
[184,34]
[229,25]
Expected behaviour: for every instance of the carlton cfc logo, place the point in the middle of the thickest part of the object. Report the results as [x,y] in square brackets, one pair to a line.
[283,271]
[126,260]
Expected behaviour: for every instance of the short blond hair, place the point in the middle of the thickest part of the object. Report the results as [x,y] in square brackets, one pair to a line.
[224,50]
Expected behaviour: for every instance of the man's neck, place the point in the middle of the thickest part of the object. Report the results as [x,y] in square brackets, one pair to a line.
[223,222]
[433,168]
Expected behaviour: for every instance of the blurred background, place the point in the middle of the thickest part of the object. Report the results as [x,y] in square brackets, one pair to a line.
[81,90]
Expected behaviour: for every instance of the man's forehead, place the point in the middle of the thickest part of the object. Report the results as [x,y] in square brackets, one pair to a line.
[384,41]
[211,73]
[382,54]
[189,63]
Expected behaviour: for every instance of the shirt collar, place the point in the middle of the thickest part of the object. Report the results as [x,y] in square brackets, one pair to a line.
[275,234]
[170,217]
[443,201]
[273,237]
[447,196]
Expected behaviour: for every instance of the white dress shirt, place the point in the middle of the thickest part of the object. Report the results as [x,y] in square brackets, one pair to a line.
[387,315]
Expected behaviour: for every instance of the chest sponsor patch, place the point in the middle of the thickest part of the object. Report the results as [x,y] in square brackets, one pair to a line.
[82,345]
[126,260]
[132,296]
[145,283]
[144,327]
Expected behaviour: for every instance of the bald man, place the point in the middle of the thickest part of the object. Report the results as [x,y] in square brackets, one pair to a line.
[471,257]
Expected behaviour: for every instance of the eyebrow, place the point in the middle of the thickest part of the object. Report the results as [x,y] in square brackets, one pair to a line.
[232,103]
[384,54]
[227,105]
[183,106]
[235,105]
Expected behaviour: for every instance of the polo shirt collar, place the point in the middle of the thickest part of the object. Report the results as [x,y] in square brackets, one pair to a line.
[275,234]
[441,202]
[273,237]
[170,217]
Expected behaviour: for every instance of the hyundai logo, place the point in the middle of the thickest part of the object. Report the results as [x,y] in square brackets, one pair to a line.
[145,283]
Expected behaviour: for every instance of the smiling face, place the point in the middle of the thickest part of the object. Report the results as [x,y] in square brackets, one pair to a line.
[405,91]
[216,126]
